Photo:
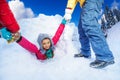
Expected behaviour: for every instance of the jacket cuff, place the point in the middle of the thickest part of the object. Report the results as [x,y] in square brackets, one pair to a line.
[19,39]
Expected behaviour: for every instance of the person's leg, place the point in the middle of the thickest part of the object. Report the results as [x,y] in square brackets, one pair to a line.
[85,46]
[92,29]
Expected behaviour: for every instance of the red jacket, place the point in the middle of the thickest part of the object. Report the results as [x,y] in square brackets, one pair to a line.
[32,48]
[7,18]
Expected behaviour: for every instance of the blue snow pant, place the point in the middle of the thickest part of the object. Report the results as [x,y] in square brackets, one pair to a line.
[90,32]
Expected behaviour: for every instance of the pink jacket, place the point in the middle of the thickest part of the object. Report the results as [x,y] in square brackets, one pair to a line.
[23,42]
[33,49]
[58,33]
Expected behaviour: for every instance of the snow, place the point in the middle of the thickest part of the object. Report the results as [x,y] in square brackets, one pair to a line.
[19,9]
[17,63]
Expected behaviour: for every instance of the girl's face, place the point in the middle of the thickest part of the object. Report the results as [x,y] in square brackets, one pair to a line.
[46,44]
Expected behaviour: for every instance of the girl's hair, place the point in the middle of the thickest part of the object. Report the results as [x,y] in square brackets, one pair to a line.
[46,38]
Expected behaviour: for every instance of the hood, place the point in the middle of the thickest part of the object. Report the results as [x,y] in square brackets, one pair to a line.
[40,38]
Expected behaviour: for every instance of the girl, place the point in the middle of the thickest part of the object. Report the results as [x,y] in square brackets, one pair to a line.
[47,44]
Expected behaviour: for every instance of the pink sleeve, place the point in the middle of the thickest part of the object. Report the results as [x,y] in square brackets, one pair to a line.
[40,56]
[28,45]
[58,34]
[31,48]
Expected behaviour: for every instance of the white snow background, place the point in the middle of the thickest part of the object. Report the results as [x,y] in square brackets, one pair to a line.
[16,63]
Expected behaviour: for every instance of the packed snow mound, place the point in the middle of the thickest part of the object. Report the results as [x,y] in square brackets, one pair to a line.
[19,64]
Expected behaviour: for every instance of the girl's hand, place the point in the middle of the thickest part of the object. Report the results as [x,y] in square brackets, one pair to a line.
[16,36]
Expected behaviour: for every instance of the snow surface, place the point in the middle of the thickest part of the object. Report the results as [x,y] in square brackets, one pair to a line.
[17,63]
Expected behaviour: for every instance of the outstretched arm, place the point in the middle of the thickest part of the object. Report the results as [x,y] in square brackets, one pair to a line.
[59,32]
[71,4]
[23,42]
[7,19]
[69,9]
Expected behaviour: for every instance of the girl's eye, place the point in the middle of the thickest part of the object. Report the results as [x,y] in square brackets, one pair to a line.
[43,43]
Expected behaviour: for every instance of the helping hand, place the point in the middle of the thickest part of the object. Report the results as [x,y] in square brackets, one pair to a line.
[10,37]
[5,34]
[67,15]
[16,36]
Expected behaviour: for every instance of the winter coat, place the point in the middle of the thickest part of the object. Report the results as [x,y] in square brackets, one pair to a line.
[7,18]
